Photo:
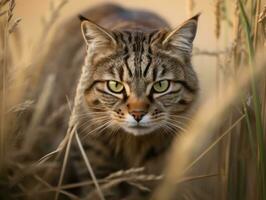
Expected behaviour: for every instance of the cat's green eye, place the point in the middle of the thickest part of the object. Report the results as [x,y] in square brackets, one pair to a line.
[161,86]
[115,86]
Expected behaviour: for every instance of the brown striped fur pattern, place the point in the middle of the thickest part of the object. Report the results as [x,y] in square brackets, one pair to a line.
[125,121]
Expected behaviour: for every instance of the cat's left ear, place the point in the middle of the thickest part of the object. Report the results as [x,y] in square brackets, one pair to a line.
[181,38]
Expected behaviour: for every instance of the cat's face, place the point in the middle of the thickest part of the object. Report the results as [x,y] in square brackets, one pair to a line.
[140,82]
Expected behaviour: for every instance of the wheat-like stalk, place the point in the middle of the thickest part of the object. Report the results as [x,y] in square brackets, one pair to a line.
[217,12]
[241,172]
[8,14]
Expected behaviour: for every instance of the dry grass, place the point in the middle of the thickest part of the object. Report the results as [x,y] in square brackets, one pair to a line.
[231,123]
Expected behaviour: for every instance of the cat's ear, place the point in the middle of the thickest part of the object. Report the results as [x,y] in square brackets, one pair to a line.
[96,36]
[181,38]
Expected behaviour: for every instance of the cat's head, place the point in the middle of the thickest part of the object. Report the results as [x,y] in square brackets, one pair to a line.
[140,82]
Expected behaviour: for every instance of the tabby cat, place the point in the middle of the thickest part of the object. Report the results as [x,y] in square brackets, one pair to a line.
[138,90]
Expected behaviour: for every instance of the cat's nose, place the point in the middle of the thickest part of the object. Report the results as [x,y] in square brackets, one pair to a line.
[138,115]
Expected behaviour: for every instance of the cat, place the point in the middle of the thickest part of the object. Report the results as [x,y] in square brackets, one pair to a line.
[138,92]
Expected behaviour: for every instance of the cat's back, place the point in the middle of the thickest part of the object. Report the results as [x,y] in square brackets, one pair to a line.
[112,16]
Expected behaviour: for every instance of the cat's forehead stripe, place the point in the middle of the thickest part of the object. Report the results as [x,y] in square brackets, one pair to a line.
[126,53]
[138,51]
[137,46]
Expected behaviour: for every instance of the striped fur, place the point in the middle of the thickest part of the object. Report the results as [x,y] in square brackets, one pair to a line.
[137,49]
[137,57]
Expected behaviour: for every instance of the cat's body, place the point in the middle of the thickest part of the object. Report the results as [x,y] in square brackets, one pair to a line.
[135,50]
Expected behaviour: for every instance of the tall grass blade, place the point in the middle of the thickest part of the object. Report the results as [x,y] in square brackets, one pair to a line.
[256,103]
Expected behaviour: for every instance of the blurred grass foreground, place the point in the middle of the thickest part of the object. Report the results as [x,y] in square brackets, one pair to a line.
[228,130]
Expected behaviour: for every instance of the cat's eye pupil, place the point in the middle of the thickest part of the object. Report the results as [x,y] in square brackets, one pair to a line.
[161,86]
[115,86]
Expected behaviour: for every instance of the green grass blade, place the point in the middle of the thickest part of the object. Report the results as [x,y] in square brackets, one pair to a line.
[256,102]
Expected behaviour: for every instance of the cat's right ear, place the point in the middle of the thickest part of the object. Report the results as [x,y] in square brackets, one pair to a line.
[96,36]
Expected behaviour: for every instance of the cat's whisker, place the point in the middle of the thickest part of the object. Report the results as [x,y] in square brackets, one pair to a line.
[96,120]
[161,115]
[104,128]
[107,128]
[95,117]
[90,113]
[98,128]
[112,131]
[96,109]
[171,130]
[84,117]
[178,121]
[181,125]
[171,116]
[92,131]
[116,131]
[89,116]
[85,127]
[177,126]
[181,117]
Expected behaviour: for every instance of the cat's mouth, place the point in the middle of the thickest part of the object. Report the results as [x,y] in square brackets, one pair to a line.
[138,126]
[142,127]
[139,129]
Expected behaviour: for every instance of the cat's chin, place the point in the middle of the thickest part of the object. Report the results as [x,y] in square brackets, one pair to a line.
[139,130]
